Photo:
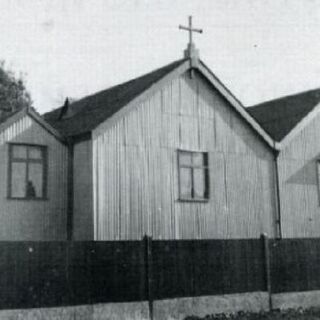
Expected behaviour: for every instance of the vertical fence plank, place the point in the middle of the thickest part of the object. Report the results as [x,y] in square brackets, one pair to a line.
[79,271]
[267,266]
[149,273]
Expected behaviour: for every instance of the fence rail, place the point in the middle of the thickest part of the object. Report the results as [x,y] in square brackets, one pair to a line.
[45,274]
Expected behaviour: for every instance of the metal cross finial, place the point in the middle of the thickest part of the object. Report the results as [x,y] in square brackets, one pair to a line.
[190,29]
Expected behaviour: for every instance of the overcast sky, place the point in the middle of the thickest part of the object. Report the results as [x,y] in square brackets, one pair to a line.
[259,49]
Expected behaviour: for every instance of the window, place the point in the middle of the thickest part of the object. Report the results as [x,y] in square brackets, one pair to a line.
[318,178]
[27,171]
[193,176]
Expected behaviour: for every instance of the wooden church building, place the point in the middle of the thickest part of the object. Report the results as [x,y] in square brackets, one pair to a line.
[171,154]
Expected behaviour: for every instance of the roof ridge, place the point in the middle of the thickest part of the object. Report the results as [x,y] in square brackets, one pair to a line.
[221,83]
[280,116]
[115,86]
[85,114]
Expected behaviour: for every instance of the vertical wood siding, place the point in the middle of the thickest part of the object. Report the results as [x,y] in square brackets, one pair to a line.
[136,175]
[299,192]
[82,188]
[34,219]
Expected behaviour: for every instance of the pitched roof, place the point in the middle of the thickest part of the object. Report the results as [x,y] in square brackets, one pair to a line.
[87,113]
[4,118]
[81,117]
[278,117]
[11,118]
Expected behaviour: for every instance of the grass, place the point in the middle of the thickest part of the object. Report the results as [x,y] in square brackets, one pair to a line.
[291,314]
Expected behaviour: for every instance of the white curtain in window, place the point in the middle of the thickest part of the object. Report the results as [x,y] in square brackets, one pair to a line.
[18,179]
[185,182]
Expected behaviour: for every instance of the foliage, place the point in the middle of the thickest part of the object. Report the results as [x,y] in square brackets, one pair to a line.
[291,314]
[13,94]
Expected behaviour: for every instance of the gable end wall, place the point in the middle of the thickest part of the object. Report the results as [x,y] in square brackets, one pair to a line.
[34,219]
[135,178]
[299,192]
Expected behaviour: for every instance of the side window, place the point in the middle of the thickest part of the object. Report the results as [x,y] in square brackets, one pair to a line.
[193,175]
[27,172]
[318,178]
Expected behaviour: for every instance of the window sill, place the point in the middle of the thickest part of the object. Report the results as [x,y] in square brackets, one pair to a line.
[28,199]
[193,200]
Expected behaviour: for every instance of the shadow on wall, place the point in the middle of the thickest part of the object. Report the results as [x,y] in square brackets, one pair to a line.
[306,175]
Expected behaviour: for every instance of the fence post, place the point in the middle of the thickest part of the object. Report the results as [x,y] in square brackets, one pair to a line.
[148,268]
[266,251]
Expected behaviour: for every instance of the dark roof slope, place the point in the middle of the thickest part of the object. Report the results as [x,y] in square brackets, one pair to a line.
[278,117]
[7,116]
[85,114]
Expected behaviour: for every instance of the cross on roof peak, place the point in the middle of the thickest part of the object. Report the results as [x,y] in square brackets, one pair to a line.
[191,51]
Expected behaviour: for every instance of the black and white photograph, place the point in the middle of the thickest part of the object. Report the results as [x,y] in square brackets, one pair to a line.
[159,160]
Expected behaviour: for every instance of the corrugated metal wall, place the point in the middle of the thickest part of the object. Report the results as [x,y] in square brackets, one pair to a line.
[82,188]
[135,169]
[34,219]
[300,201]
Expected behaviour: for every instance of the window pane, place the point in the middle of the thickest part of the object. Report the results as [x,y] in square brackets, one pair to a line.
[19,152]
[199,183]
[18,180]
[197,159]
[35,181]
[185,158]
[35,153]
[185,182]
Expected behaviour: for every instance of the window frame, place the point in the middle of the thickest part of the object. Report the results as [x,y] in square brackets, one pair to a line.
[27,161]
[206,172]
[318,178]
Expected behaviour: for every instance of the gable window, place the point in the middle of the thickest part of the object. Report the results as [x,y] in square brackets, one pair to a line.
[193,175]
[27,171]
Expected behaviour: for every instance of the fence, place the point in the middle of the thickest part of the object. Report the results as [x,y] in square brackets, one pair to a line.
[45,274]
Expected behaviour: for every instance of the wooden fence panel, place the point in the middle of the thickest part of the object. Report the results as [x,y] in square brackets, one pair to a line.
[118,271]
[79,271]
[172,269]
[206,267]
[32,274]
[45,274]
[294,265]
[209,267]
[243,266]
[228,266]
[314,263]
